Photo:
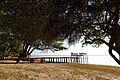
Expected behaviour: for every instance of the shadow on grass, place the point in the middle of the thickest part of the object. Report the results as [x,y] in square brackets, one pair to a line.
[12,62]
[24,62]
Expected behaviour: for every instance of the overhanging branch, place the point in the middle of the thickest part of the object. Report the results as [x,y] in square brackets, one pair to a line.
[101,40]
[40,49]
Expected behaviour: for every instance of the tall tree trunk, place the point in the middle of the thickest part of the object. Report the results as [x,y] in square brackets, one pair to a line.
[24,54]
[115,36]
[114,43]
[113,56]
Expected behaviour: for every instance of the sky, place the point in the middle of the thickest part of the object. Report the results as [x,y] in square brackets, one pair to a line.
[98,56]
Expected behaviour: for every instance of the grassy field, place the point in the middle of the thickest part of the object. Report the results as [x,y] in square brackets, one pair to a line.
[58,71]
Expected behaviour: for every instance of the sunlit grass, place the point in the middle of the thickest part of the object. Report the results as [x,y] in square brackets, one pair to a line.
[58,71]
[102,68]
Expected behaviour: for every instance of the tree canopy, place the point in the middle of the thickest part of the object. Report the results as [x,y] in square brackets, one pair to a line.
[25,20]
[43,23]
[93,21]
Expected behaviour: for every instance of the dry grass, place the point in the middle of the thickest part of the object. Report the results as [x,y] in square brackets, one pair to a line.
[58,71]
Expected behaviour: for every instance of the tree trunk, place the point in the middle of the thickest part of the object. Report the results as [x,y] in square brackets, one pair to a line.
[114,43]
[115,48]
[119,57]
[18,61]
[113,56]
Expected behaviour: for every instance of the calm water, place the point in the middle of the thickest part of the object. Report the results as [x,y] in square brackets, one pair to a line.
[92,59]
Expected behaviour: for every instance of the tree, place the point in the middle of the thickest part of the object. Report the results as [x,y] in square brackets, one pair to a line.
[25,20]
[9,45]
[93,21]
[103,24]
[108,22]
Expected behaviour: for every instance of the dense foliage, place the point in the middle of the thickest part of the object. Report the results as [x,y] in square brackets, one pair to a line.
[24,20]
[93,21]
[40,24]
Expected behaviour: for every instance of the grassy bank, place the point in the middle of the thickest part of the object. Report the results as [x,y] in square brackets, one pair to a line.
[58,71]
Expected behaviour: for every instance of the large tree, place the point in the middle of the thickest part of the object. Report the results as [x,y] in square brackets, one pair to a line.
[93,21]
[25,20]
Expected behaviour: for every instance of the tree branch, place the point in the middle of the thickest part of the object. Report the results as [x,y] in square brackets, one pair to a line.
[40,49]
[101,40]
[29,48]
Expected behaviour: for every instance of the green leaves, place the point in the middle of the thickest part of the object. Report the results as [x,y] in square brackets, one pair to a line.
[42,24]
[2,12]
[25,21]
[9,45]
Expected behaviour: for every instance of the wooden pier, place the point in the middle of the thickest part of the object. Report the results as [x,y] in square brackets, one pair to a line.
[75,57]
[51,59]
[79,58]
